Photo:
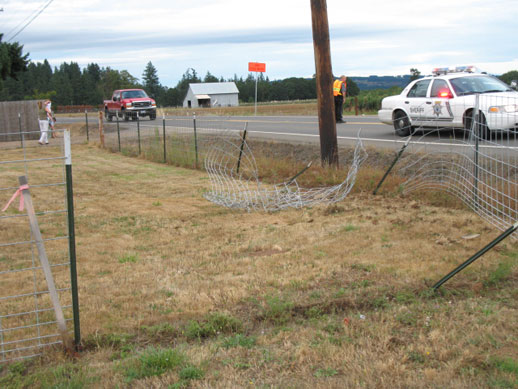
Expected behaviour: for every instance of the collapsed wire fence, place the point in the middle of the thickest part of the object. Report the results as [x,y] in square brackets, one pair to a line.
[235,182]
[474,164]
[477,164]
[226,155]
[37,247]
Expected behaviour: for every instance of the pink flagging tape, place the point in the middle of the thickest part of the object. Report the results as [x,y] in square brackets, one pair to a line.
[16,194]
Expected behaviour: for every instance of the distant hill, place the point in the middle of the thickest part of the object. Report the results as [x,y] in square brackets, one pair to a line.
[381,82]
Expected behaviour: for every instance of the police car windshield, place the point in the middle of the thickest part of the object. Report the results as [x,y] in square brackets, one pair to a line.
[478,84]
[133,94]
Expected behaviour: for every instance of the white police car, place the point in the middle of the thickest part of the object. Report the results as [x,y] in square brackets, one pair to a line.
[447,100]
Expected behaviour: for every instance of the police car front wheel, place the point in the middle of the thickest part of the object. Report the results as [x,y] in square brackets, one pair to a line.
[480,126]
[402,124]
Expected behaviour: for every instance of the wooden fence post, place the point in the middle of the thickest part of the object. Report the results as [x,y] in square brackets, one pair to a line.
[42,254]
[101,133]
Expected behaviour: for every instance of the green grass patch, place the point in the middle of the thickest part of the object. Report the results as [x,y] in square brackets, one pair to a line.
[213,325]
[128,258]
[277,310]
[349,228]
[500,274]
[191,373]
[325,372]
[65,376]
[160,330]
[153,362]
[239,340]
[507,365]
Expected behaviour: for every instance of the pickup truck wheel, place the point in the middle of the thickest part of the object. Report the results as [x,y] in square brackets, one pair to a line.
[152,116]
[402,124]
[125,116]
[108,116]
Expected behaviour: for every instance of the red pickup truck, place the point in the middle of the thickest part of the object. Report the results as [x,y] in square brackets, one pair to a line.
[128,103]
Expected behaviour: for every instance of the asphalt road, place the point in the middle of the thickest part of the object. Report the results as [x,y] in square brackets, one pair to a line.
[305,129]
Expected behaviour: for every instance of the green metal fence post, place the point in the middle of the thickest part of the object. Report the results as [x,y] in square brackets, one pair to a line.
[398,155]
[118,132]
[241,149]
[86,120]
[138,133]
[488,247]
[195,140]
[72,239]
[299,173]
[163,133]
[20,128]
[476,128]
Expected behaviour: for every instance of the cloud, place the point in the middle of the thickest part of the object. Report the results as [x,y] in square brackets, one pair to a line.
[221,36]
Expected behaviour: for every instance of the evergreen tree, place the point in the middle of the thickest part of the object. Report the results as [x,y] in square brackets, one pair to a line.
[12,60]
[189,77]
[150,80]
[210,78]
[509,76]
[414,74]
[91,77]
[352,88]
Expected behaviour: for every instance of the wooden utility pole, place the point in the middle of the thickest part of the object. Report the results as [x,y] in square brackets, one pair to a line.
[326,106]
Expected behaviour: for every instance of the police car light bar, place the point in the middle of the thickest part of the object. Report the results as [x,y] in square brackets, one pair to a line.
[439,71]
[458,69]
[467,69]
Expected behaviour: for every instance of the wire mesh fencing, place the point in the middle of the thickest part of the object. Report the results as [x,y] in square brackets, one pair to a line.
[477,163]
[235,182]
[28,322]
[219,145]
[180,141]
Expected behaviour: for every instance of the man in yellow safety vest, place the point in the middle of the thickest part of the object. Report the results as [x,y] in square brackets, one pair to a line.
[339,91]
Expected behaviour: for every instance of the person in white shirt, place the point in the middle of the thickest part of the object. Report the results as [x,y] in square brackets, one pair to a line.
[45,116]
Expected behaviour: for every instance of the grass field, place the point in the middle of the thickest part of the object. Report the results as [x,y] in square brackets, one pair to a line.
[299,108]
[178,292]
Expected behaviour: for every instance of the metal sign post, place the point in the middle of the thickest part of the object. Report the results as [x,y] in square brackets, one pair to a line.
[257,67]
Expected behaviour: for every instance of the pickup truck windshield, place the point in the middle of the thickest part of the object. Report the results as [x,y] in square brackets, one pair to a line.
[134,94]
[477,84]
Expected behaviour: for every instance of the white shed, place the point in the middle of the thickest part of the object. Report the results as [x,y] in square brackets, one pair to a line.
[212,94]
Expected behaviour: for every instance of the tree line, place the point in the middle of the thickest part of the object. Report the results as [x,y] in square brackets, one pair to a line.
[68,84]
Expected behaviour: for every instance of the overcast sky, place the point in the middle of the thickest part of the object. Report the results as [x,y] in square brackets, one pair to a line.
[221,36]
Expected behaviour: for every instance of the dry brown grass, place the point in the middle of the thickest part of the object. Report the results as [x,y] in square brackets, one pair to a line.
[333,296]
[302,108]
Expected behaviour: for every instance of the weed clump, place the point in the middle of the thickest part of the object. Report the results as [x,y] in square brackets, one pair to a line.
[213,325]
[239,340]
[153,362]
[500,274]
[277,310]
